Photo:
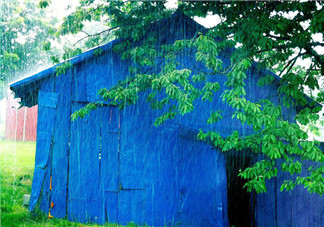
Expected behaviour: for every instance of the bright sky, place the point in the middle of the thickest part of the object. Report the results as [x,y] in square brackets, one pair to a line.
[60,6]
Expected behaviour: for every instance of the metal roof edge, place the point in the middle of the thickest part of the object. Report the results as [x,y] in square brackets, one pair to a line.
[51,70]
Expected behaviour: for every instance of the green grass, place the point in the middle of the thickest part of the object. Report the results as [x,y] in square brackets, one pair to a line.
[16,172]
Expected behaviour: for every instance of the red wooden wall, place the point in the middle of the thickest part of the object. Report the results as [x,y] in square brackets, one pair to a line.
[21,123]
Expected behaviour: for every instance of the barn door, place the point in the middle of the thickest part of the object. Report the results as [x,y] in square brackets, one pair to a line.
[135,160]
[93,165]
[109,164]
[47,102]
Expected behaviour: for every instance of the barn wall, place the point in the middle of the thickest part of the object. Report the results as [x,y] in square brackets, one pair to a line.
[21,123]
[294,208]
[139,172]
[115,166]
[31,123]
[61,148]
[47,103]
[135,153]
[103,71]
[83,202]
[47,107]
[52,182]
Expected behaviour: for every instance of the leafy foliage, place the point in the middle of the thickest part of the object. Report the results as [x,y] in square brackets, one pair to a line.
[284,36]
[25,31]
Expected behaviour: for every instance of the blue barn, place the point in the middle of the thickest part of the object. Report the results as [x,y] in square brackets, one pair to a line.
[115,166]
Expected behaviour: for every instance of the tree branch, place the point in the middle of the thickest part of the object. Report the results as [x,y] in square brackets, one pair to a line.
[278,37]
[291,63]
[96,34]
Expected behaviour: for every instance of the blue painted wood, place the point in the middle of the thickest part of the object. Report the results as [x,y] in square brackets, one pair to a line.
[103,71]
[83,198]
[79,87]
[131,206]
[315,210]
[134,148]
[61,147]
[48,83]
[45,130]
[284,202]
[266,206]
[38,179]
[45,194]
[198,163]
[44,138]
[294,208]
[47,100]
[163,205]
[111,207]
[300,207]
[109,165]
[52,70]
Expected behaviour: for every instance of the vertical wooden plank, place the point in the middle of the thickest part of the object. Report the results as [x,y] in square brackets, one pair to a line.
[162,190]
[46,192]
[136,165]
[134,148]
[109,165]
[203,179]
[61,146]
[131,207]
[46,117]
[266,206]
[300,203]
[44,100]
[83,203]
[103,71]
[92,72]
[316,210]
[300,207]
[284,201]
[48,84]
[109,148]
[79,86]
[31,124]
[111,207]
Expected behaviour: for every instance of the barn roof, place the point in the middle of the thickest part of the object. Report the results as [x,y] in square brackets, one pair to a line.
[27,88]
[52,70]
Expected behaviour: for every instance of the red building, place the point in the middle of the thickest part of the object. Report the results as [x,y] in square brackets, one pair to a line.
[21,123]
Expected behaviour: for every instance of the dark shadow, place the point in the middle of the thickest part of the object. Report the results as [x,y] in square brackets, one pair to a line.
[240,203]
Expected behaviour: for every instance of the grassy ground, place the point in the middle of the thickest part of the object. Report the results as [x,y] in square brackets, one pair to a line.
[16,171]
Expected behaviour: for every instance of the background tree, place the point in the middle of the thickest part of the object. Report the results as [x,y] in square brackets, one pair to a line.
[25,32]
[276,35]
